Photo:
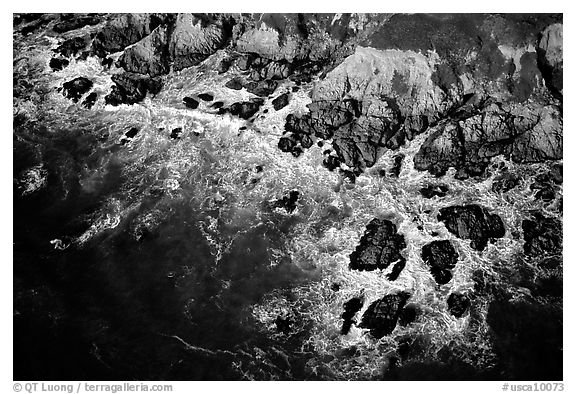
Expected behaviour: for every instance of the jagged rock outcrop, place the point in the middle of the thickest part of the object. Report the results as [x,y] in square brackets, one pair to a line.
[58,64]
[281,101]
[441,257]
[72,46]
[379,247]
[381,316]
[124,30]
[472,222]
[132,88]
[529,133]
[73,22]
[148,56]
[76,88]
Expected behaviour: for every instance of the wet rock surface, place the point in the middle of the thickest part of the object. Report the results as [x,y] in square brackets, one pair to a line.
[458,304]
[472,222]
[76,88]
[382,315]
[441,257]
[131,88]
[351,307]
[379,247]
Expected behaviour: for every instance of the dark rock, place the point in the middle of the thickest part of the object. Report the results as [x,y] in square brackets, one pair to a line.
[217,104]
[542,235]
[75,23]
[57,64]
[441,257]
[556,173]
[191,103]
[72,46]
[396,166]
[224,65]
[472,222]
[246,109]
[381,316]
[351,307]
[132,88]
[295,89]
[288,202]
[430,191]
[281,101]
[379,247]
[458,304]
[283,324]
[90,100]
[505,182]
[129,135]
[175,134]
[235,83]
[396,270]
[261,88]
[409,314]
[107,62]
[335,287]
[206,97]
[76,88]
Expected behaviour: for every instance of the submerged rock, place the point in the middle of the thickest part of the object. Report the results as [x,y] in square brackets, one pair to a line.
[430,191]
[505,182]
[441,257]
[379,247]
[288,202]
[472,222]
[76,88]
[527,338]
[381,316]
[409,314]
[542,235]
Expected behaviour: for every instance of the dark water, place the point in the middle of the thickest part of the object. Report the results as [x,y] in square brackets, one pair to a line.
[120,307]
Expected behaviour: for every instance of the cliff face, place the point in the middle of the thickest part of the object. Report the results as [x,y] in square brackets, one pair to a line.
[485,85]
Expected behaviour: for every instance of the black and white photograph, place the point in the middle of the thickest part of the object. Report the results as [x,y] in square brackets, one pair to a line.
[287,197]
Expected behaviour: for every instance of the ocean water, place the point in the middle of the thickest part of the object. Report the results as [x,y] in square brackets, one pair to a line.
[161,258]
